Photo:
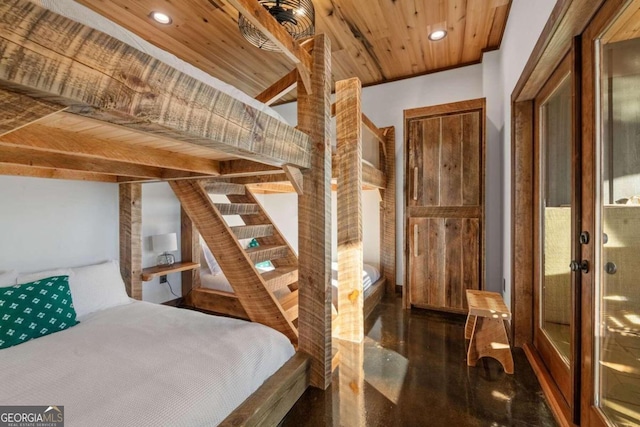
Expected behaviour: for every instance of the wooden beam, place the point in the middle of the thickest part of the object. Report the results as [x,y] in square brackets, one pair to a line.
[388,213]
[242,168]
[106,79]
[350,256]
[295,177]
[260,179]
[314,220]
[17,110]
[260,304]
[218,302]
[255,13]
[377,133]
[279,89]
[40,159]
[131,238]
[53,140]
[373,177]
[20,170]
[189,251]
[268,405]
[274,188]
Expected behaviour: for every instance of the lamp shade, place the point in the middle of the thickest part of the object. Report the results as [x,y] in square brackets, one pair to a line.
[164,242]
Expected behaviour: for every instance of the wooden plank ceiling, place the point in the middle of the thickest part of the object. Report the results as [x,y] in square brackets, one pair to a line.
[377,41]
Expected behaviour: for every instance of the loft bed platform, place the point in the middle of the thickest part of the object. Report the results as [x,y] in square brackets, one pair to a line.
[108,91]
[79,104]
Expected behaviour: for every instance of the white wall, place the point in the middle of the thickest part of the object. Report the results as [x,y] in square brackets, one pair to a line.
[160,215]
[516,48]
[492,90]
[48,223]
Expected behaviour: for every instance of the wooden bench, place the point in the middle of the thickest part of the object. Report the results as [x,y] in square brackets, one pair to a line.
[485,328]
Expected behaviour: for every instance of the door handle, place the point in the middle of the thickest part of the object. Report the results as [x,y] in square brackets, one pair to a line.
[415,240]
[415,183]
[610,268]
[580,266]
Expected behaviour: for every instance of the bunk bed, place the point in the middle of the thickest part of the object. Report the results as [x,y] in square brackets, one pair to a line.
[352,174]
[80,104]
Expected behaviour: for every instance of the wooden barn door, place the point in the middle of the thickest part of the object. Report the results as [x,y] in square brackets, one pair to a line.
[444,178]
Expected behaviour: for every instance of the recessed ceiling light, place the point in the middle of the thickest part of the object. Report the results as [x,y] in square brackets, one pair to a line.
[161,18]
[437,35]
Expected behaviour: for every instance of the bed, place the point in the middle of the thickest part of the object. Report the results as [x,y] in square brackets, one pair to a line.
[120,363]
[120,114]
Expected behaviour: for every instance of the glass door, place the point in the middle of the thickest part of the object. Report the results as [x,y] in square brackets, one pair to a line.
[616,340]
[557,210]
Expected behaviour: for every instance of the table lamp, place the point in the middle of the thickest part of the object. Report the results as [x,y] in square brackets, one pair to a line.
[165,243]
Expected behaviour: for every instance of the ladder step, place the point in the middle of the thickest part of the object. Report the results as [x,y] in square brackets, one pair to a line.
[280,277]
[289,304]
[266,252]
[251,231]
[226,188]
[237,208]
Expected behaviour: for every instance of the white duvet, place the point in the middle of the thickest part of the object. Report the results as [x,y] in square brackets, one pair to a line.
[143,364]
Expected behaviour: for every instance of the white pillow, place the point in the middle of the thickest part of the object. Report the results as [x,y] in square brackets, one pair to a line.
[32,277]
[8,278]
[214,268]
[97,287]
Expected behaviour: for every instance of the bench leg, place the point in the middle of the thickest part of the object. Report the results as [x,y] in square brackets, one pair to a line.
[468,327]
[489,339]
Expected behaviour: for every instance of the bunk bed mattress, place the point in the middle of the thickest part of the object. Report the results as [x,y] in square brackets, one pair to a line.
[143,364]
[219,282]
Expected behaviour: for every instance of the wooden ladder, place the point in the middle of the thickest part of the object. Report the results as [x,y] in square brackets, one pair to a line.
[256,291]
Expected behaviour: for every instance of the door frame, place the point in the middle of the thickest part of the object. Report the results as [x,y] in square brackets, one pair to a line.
[590,415]
[478,104]
[569,385]
[568,18]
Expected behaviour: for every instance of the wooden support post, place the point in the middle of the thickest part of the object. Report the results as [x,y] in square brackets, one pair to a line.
[388,219]
[189,251]
[351,383]
[131,238]
[349,144]
[314,220]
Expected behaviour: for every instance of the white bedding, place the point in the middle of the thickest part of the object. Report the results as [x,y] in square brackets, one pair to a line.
[370,275]
[86,16]
[143,364]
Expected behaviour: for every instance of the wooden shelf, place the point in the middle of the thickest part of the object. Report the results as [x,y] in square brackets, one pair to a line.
[161,270]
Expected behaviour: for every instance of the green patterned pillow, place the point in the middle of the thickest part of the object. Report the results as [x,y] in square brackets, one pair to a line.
[35,309]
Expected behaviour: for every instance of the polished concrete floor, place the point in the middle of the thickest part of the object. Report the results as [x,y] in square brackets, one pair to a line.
[412,371]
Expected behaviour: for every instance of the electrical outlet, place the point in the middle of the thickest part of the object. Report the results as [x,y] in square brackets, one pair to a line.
[163,279]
